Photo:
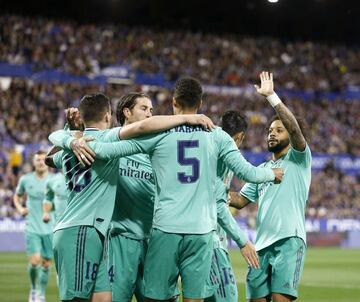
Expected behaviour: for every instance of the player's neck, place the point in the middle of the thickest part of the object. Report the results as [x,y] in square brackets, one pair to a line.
[41,174]
[99,125]
[277,155]
[185,111]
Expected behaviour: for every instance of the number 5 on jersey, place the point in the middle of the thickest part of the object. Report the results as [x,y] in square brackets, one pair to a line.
[188,161]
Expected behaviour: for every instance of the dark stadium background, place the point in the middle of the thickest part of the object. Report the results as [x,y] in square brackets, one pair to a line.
[328,20]
[332,270]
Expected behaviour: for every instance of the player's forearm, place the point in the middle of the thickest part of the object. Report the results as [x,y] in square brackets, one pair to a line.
[237,201]
[229,224]
[246,171]
[47,206]
[18,201]
[61,139]
[108,151]
[290,123]
[151,125]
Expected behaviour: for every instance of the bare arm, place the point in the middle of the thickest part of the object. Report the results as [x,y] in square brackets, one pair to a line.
[18,202]
[237,201]
[289,121]
[47,207]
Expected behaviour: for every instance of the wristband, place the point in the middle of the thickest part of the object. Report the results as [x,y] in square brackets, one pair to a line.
[273,99]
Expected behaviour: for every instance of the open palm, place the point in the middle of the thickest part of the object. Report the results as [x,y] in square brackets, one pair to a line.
[267,85]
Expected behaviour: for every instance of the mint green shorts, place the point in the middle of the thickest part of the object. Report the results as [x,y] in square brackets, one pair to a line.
[126,267]
[222,278]
[41,244]
[281,266]
[79,262]
[172,255]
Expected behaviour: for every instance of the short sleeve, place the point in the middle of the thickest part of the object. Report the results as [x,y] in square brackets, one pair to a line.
[250,192]
[301,157]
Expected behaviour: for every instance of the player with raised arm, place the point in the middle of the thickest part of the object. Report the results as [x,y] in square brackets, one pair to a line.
[222,275]
[38,234]
[281,235]
[80,232]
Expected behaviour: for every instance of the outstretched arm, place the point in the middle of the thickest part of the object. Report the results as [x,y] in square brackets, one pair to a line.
[266,89]
[163,122]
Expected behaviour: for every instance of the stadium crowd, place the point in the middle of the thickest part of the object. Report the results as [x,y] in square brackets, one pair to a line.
[29,110]
[84,49]
[37,109]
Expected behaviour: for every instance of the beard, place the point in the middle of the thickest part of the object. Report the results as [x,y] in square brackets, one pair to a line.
[281,145]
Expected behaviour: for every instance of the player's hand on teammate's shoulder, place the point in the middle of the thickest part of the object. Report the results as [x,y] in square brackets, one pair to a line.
[73,118]
[83,152]
[199,119]
[266,87]
[279,174]
[248,251]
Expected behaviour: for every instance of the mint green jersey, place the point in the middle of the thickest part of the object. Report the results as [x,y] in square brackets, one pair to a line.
[227,225]
[184,160]
[224,175]
[34,188]
[56,193]
[281,212]
[134,204]
[92,188]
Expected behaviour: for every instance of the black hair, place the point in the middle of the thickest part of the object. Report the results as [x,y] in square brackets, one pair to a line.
[233,122]
[300,121]
[127,101]
[188,92]
[93,107]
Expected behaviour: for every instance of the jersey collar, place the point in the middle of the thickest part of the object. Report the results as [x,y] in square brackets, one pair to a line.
[91,129]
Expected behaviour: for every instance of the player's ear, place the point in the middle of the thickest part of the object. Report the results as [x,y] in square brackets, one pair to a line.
[126,112]
[107,117]
[175,104]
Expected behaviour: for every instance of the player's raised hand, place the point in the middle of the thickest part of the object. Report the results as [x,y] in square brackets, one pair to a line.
[267,84]
[250,255]
[279,173]
[83,152]
[73,118]
[200,119]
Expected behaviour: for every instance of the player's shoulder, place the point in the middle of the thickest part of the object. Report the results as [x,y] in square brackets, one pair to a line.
[300,156]
[27,176]
[219,132]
